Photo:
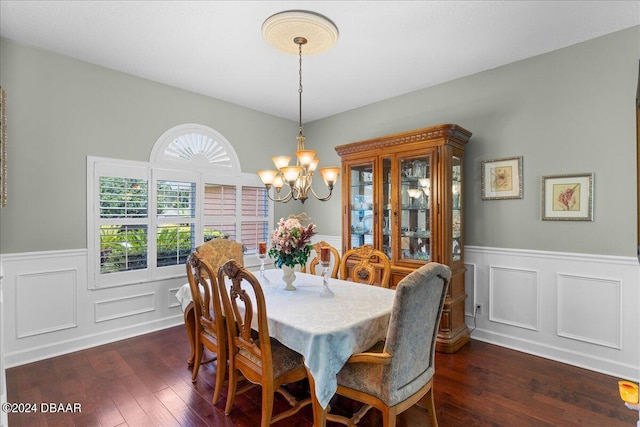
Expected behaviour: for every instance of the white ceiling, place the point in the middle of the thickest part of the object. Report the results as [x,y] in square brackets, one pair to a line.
[385,48]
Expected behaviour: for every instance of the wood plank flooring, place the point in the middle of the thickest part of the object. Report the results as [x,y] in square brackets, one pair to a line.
[144,381]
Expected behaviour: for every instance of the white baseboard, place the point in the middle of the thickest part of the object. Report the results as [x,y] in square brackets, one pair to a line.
[586,361]
[42,352]
[578,309]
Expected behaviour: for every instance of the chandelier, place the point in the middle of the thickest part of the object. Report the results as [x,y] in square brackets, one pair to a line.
[285,31]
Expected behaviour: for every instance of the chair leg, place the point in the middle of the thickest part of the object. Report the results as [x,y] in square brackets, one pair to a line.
[221,368]
[389,416]
[231,392]
[190,326]
[197,360]
[268,394]
[431,408]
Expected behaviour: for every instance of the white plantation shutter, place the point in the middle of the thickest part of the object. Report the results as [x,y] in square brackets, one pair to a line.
[220,218]
[118,222]
[255,217]
[176,221]
[144,219]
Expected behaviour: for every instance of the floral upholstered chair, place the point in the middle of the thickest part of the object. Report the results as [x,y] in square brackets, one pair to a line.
[398,373]
[218,251]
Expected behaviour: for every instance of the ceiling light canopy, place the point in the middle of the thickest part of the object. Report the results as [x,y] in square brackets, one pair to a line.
[288,31]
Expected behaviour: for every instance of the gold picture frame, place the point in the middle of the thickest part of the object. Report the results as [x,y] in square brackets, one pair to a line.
[502,179]
[3,148]
[567,197]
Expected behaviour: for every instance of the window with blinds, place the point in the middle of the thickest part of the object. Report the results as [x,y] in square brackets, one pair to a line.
[254,205]
[220,219]
[175,230]
[145,218]
[123,218]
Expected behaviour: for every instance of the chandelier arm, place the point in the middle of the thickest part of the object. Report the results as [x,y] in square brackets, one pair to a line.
[322,199]
[284,199]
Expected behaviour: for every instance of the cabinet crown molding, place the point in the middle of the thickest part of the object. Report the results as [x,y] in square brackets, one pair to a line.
[453,133]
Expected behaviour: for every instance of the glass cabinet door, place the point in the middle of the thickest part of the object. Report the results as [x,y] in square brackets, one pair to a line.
[415,200]
[456,198]
[387,215]
[362,204]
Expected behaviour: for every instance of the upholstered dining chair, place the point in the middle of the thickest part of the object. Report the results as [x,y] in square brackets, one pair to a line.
[366,265]
[315,262]
[396,374]
[259,358]
[216,252]
[210,328]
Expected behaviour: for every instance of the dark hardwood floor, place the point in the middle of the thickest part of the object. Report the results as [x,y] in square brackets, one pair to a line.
[144,381]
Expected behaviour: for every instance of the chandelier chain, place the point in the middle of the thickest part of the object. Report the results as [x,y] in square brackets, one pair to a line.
[300,84]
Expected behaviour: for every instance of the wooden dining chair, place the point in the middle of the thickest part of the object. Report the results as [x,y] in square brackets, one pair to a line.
[366,265]
[210,328]
[396,374]
[315,262]
[259,358]
[216,252]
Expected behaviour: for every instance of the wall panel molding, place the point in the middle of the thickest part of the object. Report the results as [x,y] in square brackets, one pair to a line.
[74,317]
[577,297]
[587,306]
[34,294]
[559,276]
[117,308]
[514,297]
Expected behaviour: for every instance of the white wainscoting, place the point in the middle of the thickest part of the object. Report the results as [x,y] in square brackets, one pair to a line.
[574,308]
[3,378]
[48,309]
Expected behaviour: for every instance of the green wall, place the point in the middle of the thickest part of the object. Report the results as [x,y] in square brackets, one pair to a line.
[61,110]
[568,111]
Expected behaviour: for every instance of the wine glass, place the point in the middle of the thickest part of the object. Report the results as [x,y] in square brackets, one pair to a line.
[262,255]
[325,262]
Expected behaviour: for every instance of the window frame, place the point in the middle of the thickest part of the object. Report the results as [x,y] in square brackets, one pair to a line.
[157,169]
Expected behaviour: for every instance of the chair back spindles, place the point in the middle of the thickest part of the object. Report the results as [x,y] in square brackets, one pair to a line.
[366,265]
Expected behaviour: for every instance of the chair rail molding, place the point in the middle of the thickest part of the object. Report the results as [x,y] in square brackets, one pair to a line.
[605,287]
[579,309]
[75,317]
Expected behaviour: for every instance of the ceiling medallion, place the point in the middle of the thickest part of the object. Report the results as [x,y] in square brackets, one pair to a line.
[280,30]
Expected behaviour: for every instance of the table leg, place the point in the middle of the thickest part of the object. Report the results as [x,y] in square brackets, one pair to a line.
[190,326]
[319,413]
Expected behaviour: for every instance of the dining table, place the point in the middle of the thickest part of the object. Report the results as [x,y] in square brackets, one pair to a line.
[326,331]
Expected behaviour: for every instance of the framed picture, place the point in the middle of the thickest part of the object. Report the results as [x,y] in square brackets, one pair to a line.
[567,197]
[3,148]
[502,179]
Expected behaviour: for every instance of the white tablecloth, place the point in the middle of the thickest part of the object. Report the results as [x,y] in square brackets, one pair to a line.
[326,331]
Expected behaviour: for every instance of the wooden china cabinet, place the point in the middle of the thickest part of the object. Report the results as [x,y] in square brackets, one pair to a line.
[403,194]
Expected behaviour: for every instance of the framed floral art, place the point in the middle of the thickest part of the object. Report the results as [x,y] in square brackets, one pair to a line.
[502,179]
[567,197]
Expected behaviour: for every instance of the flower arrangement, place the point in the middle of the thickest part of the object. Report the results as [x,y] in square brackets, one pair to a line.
[291,243]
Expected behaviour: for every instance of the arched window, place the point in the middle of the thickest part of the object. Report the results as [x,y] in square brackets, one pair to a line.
[194,145]
[144,219]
